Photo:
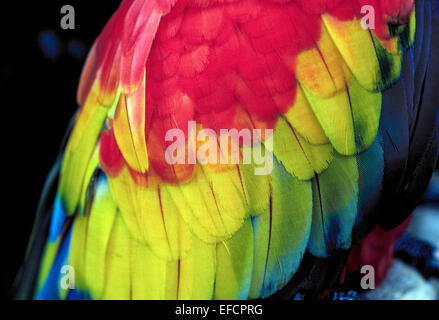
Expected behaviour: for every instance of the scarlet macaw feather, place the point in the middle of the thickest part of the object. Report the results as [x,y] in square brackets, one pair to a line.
[142,228]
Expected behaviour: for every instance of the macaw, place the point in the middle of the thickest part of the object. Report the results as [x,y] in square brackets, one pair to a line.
[344,98]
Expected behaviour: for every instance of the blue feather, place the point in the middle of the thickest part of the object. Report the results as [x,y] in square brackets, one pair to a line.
[52,286]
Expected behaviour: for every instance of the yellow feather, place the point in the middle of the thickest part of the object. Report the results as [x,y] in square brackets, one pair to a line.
[80,149]
[117,264]
[128,128]
[299,158]
[77,249]
[350,119]
[303,119]
[197,272]
[322,69]
[150,217]
[357,49]
[234,265]
[212,203]
[100,222]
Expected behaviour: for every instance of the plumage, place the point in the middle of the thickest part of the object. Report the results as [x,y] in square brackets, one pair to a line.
[339,110]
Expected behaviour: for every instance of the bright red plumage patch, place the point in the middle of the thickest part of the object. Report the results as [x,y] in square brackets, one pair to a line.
[109,154]
[210,58]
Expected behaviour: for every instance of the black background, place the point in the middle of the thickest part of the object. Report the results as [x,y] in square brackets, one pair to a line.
[38,98]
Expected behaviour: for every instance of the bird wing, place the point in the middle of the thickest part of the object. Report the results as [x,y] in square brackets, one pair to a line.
[305,75]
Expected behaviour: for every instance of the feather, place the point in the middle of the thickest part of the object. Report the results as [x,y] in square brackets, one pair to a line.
[234,265]
[335,199]
[280,233]
[299,157]
[303,120]
[99,227]
[51,286]
[79,151]
[135,226]
[422,144]
[371,175]
[350,119]
[117,282]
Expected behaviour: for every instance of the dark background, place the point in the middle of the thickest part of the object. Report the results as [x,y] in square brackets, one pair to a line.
[39,74]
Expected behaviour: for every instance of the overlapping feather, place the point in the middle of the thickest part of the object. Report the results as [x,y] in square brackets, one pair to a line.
[145,229]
